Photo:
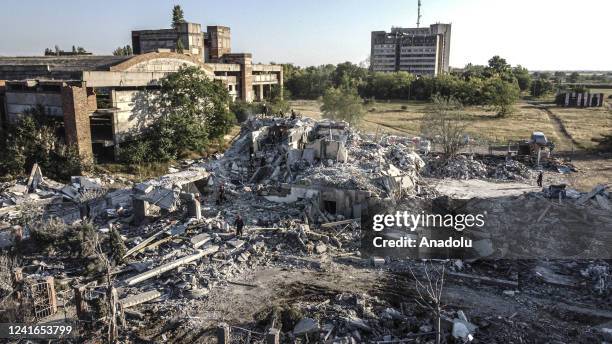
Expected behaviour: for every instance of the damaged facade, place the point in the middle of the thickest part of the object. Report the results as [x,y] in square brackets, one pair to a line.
[99,99]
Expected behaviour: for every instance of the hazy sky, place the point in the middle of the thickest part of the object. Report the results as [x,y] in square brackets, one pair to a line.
[539,34]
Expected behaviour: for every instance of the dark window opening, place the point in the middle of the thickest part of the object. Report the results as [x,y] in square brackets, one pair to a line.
[101,128]
[329,206]
[103,153]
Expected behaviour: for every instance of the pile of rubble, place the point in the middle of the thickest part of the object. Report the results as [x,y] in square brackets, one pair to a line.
[300,187]
[458,167]
[468,167]
[317,154]
[512,170]
[556,224]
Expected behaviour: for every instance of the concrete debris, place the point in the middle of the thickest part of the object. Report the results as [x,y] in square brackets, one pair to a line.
[469,167]
[306,325]
[459,167]
[600,276]
[300,188]
[169,266]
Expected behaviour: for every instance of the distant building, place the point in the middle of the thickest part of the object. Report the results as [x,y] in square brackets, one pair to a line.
[189,34]
[573,99]
[246,81]
[420,51]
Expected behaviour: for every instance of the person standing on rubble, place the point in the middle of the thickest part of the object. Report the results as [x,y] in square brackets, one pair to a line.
[239,223]
[221,195]
[293,116]
[540,178]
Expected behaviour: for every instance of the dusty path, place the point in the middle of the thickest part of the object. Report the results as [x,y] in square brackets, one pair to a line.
[567,141]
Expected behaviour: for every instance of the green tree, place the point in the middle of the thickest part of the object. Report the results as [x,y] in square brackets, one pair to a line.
[498,66]
[308,83]
[34,139]
[177,16]
[541,87]
[348,75]
[123,51]
[560,76]
[179,46]
[574,77]
[580,89]
[522,77]
[473,71]
[191,109]
[395,85]
[342,104]
[502,95]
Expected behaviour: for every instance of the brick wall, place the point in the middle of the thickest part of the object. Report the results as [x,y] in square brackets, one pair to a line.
[92,103]
[76,120]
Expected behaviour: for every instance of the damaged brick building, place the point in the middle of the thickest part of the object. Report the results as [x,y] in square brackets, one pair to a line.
[100,98]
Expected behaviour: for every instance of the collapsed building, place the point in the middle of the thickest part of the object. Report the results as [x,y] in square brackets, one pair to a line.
[300,185]
[100,99]
[323,162]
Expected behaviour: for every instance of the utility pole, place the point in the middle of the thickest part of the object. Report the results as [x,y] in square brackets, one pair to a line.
[419,16]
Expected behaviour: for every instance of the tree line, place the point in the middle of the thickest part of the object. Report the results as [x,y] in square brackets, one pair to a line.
[498,83]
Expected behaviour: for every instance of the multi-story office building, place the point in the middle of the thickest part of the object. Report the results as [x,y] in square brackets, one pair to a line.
[421,51]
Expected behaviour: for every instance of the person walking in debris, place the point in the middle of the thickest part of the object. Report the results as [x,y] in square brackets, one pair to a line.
[540,177]
[293,115]
[251,153]
[239,223]
[221,195]
[265,110]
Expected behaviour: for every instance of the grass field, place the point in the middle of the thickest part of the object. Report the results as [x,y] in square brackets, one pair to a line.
[390,117]
[581,125]
[586,123]
[482,122]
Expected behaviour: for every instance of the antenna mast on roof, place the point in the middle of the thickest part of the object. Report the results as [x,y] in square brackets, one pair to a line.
[419,16]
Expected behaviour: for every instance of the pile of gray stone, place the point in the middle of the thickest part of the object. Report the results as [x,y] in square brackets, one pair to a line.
[512,170]
[458,167]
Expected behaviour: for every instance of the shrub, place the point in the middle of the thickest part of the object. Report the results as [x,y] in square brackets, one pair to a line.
[242,110]
[34,139]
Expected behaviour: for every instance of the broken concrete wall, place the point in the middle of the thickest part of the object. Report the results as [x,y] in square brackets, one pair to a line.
[348,203]
[18,102]
[297,137]
[133,111]
[257,136]
[328,149]
[345,202]
[294,194]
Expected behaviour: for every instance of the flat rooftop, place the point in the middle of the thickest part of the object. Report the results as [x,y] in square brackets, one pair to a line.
[64,63]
